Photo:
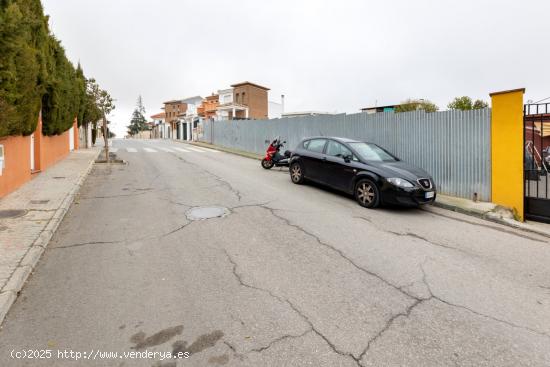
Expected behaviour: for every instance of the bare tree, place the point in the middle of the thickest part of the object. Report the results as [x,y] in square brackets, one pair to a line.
[105,104]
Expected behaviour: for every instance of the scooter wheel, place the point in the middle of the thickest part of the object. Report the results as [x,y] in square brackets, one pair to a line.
[267,164]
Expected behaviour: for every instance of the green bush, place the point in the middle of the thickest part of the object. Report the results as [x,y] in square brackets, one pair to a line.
[416,105]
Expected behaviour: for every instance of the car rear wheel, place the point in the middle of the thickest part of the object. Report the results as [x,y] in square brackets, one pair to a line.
[367,194]
[267,164]
[296,173]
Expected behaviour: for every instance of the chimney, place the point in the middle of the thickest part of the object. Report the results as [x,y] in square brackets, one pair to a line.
[282,104]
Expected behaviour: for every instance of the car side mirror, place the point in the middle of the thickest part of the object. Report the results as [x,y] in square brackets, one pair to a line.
[347,158]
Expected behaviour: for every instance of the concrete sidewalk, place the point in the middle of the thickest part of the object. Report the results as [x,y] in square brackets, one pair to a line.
[491,212]
[30,216]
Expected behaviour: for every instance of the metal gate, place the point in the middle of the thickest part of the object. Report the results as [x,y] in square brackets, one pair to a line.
[536,121]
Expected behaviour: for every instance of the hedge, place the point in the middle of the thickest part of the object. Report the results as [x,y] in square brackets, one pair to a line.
[35,73]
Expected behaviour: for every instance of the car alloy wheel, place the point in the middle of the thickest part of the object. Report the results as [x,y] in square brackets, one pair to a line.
[366,194]
[296,174]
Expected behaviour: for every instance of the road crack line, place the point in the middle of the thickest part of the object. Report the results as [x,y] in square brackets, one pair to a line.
[115,196]
[424,239]
[124,242]
[172,231]
[511,324]
[86,244]
[291,305]
[417,300]
[389,323]
[217,178]
[280,339]
[339,252]
[257,205]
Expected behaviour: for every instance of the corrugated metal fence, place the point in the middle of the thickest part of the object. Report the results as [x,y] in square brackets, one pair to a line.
[453,146]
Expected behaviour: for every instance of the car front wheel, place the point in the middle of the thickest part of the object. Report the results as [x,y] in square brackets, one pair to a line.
[367,194]
[296,173]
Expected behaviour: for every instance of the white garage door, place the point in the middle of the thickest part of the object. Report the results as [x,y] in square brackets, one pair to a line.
[71,138]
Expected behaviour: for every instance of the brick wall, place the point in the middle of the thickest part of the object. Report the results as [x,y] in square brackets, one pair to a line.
[172,110]
[48,150]
[17,171]
[253,97]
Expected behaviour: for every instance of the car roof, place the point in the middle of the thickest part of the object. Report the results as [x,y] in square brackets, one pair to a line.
[342,140]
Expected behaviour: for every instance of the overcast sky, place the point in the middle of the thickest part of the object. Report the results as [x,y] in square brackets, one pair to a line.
[323,55]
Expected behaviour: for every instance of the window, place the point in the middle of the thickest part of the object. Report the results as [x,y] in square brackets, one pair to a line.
[242,98]
[237,98]
[336,149]
[372,152]
[315,145]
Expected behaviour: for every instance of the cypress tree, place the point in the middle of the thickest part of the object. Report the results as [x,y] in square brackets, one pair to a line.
[23,33]
[35,74]
[60,102]
[81,87]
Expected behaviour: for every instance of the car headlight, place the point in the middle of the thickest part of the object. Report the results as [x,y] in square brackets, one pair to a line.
[399,182]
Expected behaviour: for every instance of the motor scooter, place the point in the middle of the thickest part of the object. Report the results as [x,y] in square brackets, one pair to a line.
[273,157]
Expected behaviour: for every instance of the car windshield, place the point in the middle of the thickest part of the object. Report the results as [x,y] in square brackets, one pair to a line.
[372,152]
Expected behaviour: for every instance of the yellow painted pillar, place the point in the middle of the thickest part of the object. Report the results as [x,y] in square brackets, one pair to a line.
[507,150]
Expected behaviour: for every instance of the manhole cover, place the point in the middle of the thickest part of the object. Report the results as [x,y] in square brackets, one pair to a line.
[12,213]
[207,212]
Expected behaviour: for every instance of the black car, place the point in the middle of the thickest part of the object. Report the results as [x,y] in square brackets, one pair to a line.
[370,173]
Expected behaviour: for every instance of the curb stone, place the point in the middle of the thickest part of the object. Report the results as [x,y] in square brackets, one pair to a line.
[9,293]
[17,278]
[472,212]
[490,217]
[515,224]
[7,298]
[33,255]
[223,149]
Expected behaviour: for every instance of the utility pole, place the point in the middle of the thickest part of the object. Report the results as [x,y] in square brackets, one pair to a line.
[106,137]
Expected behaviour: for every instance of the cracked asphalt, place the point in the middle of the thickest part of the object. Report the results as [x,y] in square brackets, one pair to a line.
[293,276]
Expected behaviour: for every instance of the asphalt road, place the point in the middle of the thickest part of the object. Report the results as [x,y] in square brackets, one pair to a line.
[291,276]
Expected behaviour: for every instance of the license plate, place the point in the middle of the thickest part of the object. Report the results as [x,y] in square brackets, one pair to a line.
[430,194]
